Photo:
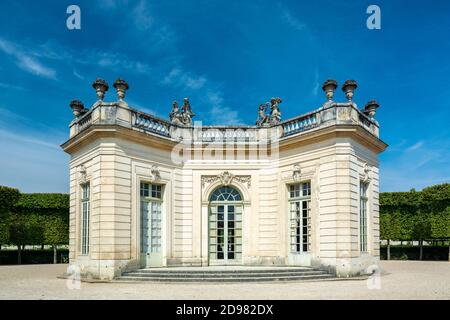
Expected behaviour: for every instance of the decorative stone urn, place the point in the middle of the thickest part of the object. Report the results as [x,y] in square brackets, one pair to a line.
[77,107]
[329,86]
[100,86]
[370,108]
[349,87]
[121,87]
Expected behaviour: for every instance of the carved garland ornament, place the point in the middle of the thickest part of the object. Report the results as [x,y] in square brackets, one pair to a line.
[226,178]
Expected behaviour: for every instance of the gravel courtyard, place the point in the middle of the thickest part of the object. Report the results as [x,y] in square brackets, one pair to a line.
[399,280]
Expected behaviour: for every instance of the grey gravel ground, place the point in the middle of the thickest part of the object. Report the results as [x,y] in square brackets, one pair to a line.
[399,280]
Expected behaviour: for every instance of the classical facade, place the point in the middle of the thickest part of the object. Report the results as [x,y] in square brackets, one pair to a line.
[147,192]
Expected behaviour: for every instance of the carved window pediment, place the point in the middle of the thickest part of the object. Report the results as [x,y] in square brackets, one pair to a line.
[226,178]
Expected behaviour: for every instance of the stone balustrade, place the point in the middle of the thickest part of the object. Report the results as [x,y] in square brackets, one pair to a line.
[103,113]
[150,123]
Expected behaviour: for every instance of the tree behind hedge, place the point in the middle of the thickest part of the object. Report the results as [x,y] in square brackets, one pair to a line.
[55,232]
[8,197]
[25,230]
[390,229]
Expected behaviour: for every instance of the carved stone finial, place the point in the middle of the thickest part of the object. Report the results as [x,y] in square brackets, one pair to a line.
[329,86]
[121,87]
[77,107]
[349,87]
[370,108]
[100,86]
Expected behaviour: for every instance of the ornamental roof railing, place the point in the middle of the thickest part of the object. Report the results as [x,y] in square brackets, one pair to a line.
[181,125]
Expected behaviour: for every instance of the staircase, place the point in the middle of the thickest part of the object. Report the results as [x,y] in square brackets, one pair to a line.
[224,274]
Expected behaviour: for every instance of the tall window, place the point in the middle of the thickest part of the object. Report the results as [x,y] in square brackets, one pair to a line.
[300,216]
[363,216]
[151,202]
[85,217]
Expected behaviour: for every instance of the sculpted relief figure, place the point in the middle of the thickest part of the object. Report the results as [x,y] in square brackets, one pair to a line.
[263,118]
[187,112]
[183,116]
[275,114]
[175,116]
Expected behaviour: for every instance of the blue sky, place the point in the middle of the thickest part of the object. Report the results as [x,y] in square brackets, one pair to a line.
[227,57]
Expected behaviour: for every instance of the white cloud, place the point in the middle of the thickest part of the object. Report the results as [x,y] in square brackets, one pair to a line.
[219,113]
[415,146]
[292,21]
[141,16]
[424,163]
[315,90]
[178,78]
[26,62]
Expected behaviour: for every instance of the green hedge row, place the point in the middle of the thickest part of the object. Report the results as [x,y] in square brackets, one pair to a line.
[33,256]
[413,253]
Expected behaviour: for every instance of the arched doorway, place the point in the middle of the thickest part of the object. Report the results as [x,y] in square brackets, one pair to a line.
[225,226]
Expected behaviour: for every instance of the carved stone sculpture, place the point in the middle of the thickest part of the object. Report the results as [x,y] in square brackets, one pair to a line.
[187,114]
[349,87]
[263,118]
[296,172]
[121,87]
[176,115]
[100,86]
[329,86]
[275,114]
[77,108]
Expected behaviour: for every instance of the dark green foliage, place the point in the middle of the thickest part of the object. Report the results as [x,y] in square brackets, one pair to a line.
[8,197]
[30,256]
[440,224]
[25,229]
[55,230]
[421,215]
[411,253]
[34,219]
[43,203]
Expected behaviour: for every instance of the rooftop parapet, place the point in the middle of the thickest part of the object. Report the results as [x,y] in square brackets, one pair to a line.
[181,126]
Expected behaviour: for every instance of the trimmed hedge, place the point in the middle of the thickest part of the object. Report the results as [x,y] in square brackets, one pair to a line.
[43,203]
[8,197]
[412,253]
[33,256]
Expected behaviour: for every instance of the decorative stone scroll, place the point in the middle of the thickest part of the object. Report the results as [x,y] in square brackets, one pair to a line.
[226,178]
[82,174]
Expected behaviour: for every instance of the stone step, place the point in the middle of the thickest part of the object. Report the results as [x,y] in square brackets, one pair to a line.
[222,275]
[225,279]
[226,271]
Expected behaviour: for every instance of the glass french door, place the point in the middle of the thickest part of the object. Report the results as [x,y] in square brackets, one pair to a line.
[151,226]
[225,234]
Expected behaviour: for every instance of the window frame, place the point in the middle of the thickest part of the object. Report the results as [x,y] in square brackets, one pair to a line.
[85,221]
[363,216]
[299,224]
[154,194]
